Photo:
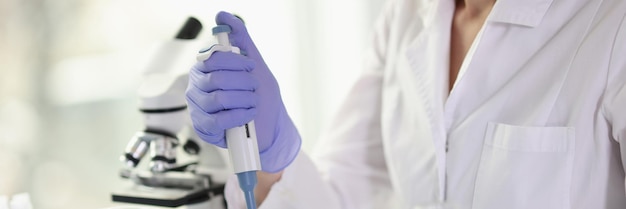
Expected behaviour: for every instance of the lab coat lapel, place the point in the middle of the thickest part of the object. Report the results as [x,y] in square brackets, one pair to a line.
[413,96]
[494,69]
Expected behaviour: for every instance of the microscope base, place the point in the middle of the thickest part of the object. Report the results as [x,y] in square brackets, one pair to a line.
[166,197]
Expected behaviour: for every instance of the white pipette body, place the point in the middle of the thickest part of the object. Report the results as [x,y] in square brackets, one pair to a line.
[241,140]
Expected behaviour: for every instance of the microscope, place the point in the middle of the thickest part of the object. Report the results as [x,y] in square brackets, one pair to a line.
[181,170]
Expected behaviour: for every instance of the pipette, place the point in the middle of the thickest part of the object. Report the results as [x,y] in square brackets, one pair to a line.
[241,140]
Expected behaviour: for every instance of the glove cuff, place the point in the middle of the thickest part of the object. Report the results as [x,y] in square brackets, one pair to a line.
[285,147]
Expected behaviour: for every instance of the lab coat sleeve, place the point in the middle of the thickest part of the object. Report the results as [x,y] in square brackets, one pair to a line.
[614,105]
[347,168]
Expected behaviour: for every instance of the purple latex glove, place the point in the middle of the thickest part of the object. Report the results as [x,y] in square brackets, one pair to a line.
[229,90]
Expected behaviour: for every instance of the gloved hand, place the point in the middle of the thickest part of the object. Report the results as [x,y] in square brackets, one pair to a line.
[229,90]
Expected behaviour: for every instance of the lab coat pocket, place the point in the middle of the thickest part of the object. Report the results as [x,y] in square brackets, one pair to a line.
[525,167]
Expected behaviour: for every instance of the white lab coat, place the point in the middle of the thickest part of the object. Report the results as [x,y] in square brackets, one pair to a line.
[536,118]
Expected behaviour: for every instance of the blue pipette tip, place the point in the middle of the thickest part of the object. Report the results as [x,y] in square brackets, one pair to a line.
[247,182]
[250,202]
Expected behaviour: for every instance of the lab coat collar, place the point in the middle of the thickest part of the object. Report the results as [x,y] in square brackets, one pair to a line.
[528,13]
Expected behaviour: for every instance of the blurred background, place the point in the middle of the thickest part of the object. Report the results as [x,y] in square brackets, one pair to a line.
[69,71]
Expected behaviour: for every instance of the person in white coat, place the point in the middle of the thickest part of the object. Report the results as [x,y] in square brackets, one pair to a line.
[478,104]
